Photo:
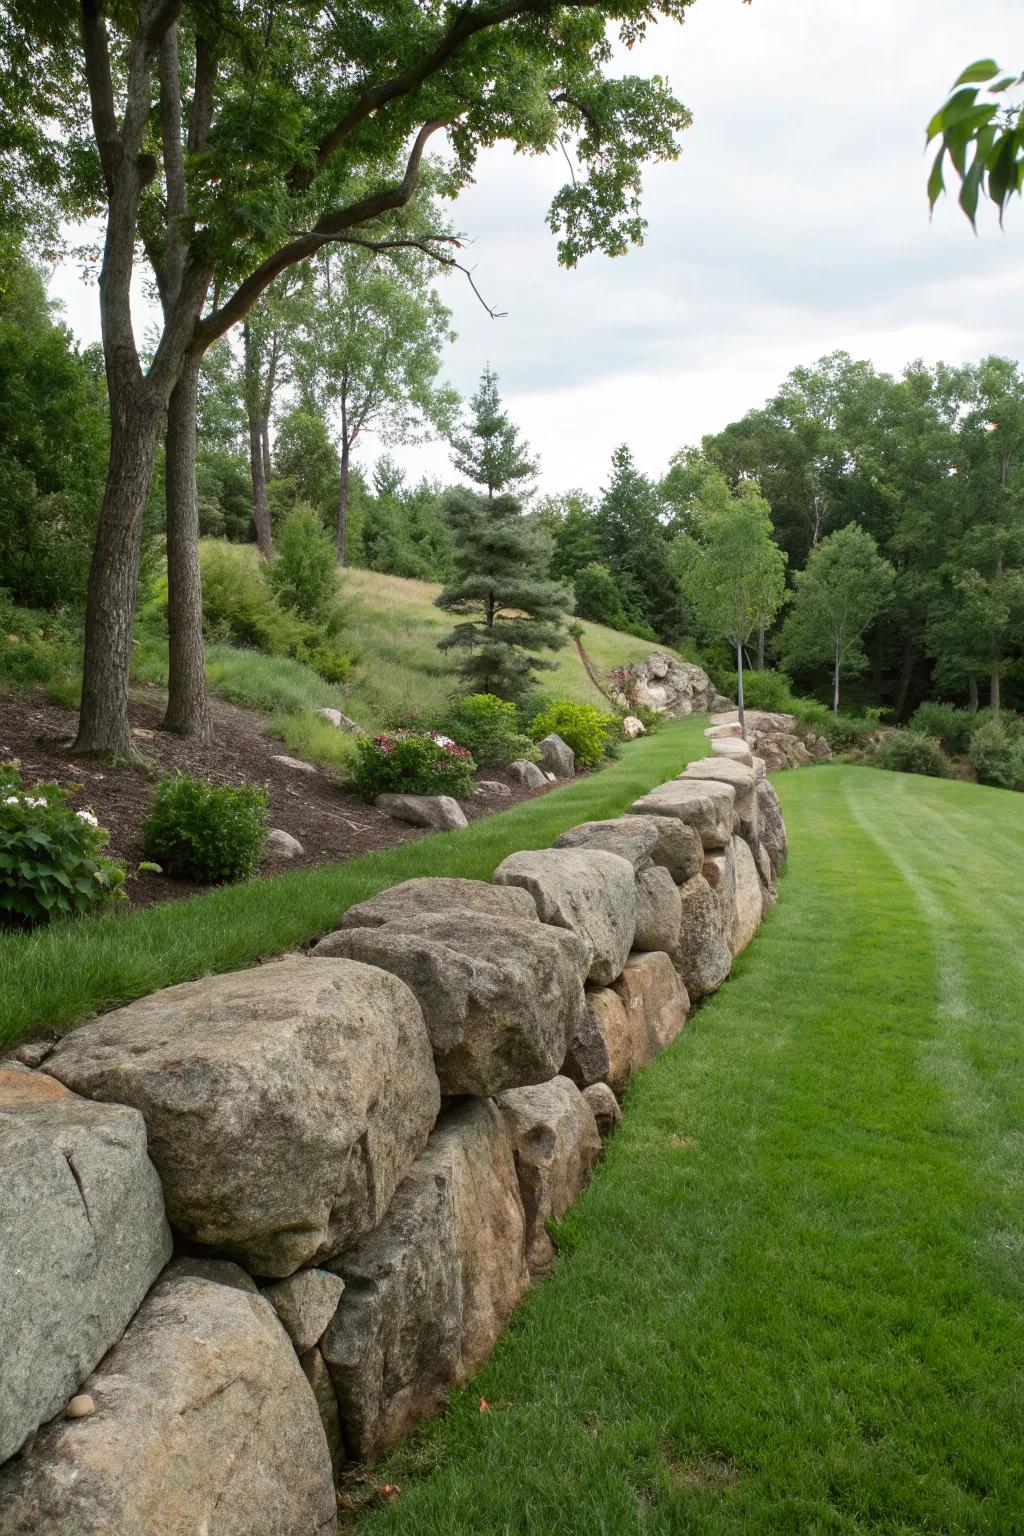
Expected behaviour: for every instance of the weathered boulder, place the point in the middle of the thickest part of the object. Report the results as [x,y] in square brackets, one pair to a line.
[734,748]
[556,1142]
[720,873]
[757,720]
[557,756]
[415,898]
[314,1368]
[703,958]
[763,864]
[305,1303]
[604,1107]
[749,902]
[617,1030]
[501,996]
[82,1237]
[655,1001]
[632,727]
[739,775]
[773,827]
[760,768]
[430,1291]
[708,807]
[717,732]
[281,845]
[203,1422]
[586,1059]
[587,891]
[523,772]
[818,748]
[492,789]
[440,812]
[294,763]
[283,1104]
[719,704]
[340,722]
[642,840]
[663,684]
[658,914]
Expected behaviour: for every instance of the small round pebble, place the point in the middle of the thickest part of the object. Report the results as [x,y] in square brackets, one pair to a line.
[80,1407]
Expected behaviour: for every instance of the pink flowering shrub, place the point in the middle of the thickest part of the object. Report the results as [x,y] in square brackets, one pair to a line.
[412,763]
[51,857]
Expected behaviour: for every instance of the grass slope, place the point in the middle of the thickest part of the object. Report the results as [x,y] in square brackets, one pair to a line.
[396,627]
[61,974]
[791,1299]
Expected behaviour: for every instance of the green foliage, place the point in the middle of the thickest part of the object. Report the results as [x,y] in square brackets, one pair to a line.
[51,859]
[240,606]
[632,541]
[913,752]
[598,598]
[589,731]
[844,587]
[490,451]
[205,831]
[306,465]
[997,753]
[489,727]
[37,649]
[303,574]
[223,495]
[404,531]
[952,727]
[992,128]
[766,689]
[411,763]
[650,719]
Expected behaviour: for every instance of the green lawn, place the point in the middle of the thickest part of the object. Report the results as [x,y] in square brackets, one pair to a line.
[62,974]
[792,1298]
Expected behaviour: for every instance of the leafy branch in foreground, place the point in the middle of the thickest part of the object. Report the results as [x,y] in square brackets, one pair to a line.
[987,122]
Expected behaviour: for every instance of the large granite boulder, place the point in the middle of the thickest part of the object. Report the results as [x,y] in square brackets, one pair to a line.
[438,812]
[655,1001]
[773,826]
[642,840]
[283,1104]
[305,1303]
[586,1059]
[725,770]
[605,1107]
[557,756]
[587,891]
[658,915]
[556,1142]
[717,732]
[706,806]
[757,720]
[624,1038]
[720,873]
[413,898]
[314,1368]
[501,996]
[82,1238]
[732,747]
[527,774]
[663,684]
[428,1294]
[203,1422]
[749,899]
[703,958]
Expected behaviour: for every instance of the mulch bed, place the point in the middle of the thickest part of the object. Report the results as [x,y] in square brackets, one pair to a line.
[330,822]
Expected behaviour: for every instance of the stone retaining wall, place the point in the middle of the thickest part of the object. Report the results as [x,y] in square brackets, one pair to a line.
[261,1224]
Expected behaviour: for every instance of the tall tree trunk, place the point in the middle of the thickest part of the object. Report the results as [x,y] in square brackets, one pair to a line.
[760,648]
[739,691]
[972,693]
[114,574]
[876,665]
[835,683]
[906,673]
[995,691]
[259,457]
[343,501]
[188,708]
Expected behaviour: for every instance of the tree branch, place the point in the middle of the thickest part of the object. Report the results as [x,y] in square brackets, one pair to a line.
[201,114]
[174,163]
[101,88]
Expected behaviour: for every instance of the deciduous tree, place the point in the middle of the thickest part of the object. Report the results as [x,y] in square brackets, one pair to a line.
[845,586]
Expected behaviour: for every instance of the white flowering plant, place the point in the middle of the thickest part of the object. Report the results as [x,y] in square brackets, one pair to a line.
[51,856]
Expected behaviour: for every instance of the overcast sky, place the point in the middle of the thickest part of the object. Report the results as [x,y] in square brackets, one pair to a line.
[794,223]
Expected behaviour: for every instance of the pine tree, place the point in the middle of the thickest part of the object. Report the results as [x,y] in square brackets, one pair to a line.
[632,538]
[492,453]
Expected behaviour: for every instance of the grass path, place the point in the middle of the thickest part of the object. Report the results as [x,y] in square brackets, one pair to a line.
[62,974]
[792,1298]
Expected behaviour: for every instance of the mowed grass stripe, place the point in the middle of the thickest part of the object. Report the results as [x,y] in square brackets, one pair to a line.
[778,1307]
[68,971]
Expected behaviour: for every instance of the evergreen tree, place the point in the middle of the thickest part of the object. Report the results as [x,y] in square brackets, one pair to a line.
[509,609]
[491,452]
[632,539]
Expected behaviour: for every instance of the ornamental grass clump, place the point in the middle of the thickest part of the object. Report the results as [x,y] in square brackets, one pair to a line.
[51,857]
[206,831]
[412,763]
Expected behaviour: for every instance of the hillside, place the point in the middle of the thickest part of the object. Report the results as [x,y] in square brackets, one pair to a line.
[395,627]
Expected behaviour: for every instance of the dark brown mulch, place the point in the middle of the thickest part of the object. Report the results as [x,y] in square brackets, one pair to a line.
[330,822]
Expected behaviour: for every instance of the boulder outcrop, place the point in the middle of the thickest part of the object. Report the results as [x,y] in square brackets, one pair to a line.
[662,683]
[642,839]
[426,894]
[438,812]
[658,913]
[655,1001]
[557,756]
[773,827]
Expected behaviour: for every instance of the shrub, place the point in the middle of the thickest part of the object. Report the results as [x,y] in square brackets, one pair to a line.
[51,859]
[412,763]
[768,690]
[489,727]
[913,752]
[36,649]
[588,730]
[953,727]
[304,576]
[206,831]
[997,754]
[650,719]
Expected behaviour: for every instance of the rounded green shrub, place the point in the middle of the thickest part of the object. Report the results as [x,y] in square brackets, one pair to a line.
[51,857]
[489,728]
[304,574]
[589,731]
[913,752]
[412,763]
[206,831]
[951,726]
[996,753]
[767,689]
